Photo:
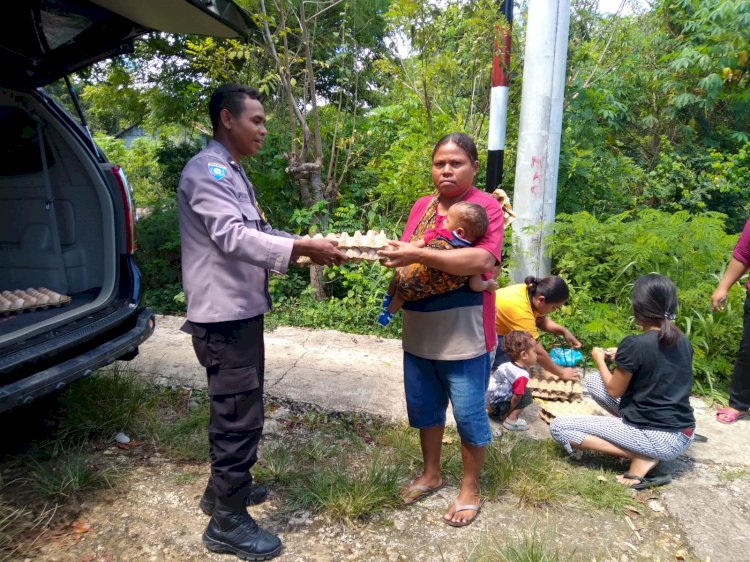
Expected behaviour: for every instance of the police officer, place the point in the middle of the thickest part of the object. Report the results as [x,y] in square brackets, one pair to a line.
[228,249]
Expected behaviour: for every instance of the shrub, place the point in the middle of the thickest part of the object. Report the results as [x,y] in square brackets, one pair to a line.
[602,258]
[159,258]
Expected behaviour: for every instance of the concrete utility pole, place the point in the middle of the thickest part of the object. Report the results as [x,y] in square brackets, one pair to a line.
[540,128]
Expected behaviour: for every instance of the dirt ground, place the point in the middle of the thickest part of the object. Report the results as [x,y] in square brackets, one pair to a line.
[153,515]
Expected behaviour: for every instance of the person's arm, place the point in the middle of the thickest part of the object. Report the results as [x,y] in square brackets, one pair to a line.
[515,399]
[519,388]
[478,285]
[735,270]
[615,382]
[543,358]
[544,323]
[320,251]
[459,261]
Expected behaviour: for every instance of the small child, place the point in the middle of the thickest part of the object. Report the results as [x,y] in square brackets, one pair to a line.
[464,224]
[508,392]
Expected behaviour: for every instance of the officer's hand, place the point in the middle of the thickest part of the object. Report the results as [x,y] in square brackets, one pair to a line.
[320,252]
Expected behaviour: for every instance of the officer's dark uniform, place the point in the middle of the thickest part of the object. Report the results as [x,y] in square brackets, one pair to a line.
[227,251]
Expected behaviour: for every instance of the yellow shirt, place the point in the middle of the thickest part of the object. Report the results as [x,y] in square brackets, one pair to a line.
[514,311]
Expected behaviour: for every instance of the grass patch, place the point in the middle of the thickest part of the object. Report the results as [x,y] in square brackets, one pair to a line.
[733,474]
[15,522]
[529,548]
[279,463]
[403,444]
[535,472]
[349,467]
[69,474]
[184,437]
[185,478]
[103,404]
[349,494]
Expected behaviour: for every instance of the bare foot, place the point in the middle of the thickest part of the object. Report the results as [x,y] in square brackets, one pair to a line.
[420,487]
[729,415]
[639,466]
[466,497]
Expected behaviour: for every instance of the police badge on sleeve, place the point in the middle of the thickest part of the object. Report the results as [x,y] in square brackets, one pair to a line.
[217,171]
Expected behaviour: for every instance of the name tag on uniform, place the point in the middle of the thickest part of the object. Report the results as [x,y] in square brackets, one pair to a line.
[217,171]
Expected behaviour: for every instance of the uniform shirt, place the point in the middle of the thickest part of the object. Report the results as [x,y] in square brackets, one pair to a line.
[508,379]
[514,311]
[742,249]
[459,324]
[658,395]
[227,248]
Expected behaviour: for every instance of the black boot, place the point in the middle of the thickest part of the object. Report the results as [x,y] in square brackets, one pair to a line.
[235,532]
[254,495]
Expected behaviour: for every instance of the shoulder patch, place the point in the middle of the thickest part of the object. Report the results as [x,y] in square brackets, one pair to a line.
[216,170]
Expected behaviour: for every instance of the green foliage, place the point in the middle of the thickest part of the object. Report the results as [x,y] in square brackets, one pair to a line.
[102,405]
[172,156]
[141,166]
[112,102]
[158,257]
[709,181]
[535,472]
[68,474]
[602,258]
[355,293]
[348,494]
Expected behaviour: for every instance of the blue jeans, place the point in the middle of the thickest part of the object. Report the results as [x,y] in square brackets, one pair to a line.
[430,384]
[500,356]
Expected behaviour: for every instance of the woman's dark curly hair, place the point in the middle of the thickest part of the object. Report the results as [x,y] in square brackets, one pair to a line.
[517,342]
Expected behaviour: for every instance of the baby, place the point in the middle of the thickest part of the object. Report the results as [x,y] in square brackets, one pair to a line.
[508,392]
[464,224]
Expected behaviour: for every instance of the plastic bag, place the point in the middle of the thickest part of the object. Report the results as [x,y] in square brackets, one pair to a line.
[565,356]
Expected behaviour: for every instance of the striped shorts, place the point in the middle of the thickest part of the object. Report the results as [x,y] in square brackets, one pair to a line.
[651,443]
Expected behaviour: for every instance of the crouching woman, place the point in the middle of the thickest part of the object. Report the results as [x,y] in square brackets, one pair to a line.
[648,391]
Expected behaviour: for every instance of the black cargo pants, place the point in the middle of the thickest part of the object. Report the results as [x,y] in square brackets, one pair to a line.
[233,355]
[739,390]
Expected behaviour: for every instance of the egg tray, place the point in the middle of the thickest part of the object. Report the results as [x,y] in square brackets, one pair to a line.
[551,409]
[358,247]
[556,389]
[364,247]
[28,306]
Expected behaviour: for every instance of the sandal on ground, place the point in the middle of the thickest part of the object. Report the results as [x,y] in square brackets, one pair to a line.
[644,483]
[415,492]
[461,507]
[517,425]
[729,415]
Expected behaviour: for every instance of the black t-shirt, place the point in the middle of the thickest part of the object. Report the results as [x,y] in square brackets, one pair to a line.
[658,396]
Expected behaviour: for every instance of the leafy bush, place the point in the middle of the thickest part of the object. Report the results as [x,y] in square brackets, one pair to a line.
[708,180]
[601,259]
[355,293]
[158,257]
[140,165]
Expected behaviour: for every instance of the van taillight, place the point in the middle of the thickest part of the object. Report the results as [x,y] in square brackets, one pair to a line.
[131,245]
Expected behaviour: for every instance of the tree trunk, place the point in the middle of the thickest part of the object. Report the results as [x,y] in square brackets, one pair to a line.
[316,281]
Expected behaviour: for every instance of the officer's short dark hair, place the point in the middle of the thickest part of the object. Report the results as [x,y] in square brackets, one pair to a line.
[231,97]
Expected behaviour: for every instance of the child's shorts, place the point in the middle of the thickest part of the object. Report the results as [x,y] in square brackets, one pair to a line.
[502,409]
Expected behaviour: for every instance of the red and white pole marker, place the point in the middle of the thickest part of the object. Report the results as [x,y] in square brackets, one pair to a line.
[499,100]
